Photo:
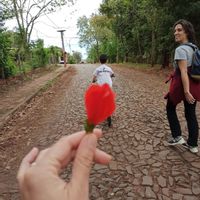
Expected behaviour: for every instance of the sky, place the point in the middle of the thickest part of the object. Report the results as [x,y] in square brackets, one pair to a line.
[65,18]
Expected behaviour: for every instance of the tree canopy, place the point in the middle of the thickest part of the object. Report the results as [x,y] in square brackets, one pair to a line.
[27,12]
[139,30]
[1,18]
[17,49]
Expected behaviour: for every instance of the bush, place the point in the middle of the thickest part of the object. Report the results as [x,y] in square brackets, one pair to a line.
[7,67]
[71,60]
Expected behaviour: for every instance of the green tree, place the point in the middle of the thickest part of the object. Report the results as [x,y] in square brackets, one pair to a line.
[142,34]
[53,54]
[77,56]
[120,13]
[94,33]
[27,13]
[1,18]
[6,66]
[39,54]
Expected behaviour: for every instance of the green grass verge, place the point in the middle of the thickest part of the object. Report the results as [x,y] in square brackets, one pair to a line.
[49,84]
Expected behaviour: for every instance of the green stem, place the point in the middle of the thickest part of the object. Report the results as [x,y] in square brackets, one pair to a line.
[89,127]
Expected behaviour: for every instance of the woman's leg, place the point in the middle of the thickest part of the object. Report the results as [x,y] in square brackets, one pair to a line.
[173,119]
[192,123]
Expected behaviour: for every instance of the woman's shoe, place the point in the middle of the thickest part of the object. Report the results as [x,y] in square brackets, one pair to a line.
[176,140]
[193,149]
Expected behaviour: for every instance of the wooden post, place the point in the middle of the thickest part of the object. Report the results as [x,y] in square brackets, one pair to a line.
[63,47]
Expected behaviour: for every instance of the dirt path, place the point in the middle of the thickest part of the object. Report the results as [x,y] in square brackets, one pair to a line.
[144,167]
[12,99]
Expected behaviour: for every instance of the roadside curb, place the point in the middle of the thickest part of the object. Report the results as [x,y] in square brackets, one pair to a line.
[28,99]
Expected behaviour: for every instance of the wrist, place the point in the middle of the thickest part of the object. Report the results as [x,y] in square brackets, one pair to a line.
[187,92]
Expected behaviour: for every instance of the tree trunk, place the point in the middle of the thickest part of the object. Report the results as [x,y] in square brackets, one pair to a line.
[117,56]
[139,46]
[97,51]
[126,58]
[166,56]
[153,45]
[2,73]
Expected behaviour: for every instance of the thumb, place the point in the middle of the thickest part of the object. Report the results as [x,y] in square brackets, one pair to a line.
[83,162]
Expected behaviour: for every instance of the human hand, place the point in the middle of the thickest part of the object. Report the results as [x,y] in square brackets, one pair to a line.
[38,175]
[189,98]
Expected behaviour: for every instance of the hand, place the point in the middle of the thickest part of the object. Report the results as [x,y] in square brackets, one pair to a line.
[38,174]
[189,98]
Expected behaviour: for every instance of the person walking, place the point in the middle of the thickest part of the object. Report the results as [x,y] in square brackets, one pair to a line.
[103,74]
[183,87]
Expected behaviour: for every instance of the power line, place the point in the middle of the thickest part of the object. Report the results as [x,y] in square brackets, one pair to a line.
[47,24]
[51,21]
[45,34]
[65,37]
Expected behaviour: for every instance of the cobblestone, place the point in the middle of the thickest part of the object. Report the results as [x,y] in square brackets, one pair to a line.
[143,166]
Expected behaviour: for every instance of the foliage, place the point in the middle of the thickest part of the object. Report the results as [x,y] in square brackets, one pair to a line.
[70,59]
[93,33]
[13,63]
[77,56]
[53,54]
[138,32]
[38,54]
[27,13]
[6,65]
[1,18]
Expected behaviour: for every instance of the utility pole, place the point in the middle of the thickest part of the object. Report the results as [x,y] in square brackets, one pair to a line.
[63,47]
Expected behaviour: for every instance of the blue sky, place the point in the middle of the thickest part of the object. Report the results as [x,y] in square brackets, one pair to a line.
[65,18]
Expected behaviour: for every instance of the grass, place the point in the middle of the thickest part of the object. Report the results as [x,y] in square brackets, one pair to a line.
[49,84]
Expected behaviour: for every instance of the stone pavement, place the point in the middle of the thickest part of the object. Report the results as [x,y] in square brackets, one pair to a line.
[143,165]
[12,100]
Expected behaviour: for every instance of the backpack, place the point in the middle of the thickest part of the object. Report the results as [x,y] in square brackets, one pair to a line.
[194,72]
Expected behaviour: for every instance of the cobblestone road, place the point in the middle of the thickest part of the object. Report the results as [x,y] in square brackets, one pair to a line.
[144,167]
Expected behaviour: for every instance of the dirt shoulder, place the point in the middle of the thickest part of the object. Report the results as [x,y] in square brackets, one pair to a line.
[19,92]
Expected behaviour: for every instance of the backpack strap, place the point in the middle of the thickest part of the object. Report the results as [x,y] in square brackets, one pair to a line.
[193,46]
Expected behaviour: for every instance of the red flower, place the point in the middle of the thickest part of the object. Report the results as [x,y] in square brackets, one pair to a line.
[99,103]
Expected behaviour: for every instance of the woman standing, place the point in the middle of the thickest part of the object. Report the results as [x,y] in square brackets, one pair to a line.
[182,87]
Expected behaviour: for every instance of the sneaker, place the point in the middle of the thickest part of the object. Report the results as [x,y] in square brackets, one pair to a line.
[193,149]
[177,140]
[185,145]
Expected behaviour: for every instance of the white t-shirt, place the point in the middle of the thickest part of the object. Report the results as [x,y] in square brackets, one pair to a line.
[103,75]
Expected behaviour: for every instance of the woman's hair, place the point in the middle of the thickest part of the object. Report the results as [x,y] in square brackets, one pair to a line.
[188,28]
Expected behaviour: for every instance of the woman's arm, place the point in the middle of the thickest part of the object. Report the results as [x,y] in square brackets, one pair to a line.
[185,80]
